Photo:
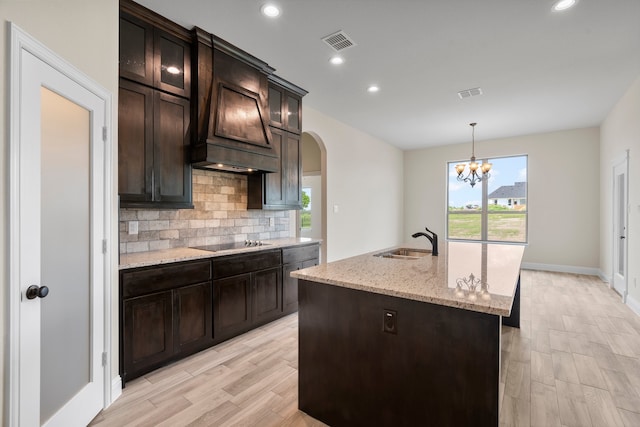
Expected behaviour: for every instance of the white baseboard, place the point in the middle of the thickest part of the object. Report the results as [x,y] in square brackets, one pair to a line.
[561,268]
[633,304]
[116,388]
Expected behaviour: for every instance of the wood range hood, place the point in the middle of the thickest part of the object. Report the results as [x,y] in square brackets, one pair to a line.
[230,108]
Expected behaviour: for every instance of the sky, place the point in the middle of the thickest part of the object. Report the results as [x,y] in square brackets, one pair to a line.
[505,171]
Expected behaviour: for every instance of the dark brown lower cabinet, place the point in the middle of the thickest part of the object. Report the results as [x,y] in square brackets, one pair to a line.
[166,315]
[247,292]
[232,301]
[148,332]
[173,310]
[293,259]
[267,295]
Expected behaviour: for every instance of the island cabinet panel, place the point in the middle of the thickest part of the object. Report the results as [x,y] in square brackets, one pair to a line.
[294,259]
[165,315]
[436,365]
[247,292]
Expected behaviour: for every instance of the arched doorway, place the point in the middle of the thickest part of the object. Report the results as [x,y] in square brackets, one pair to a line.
[312,219]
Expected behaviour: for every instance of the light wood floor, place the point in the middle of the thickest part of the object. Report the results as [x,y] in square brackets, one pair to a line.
[575,361]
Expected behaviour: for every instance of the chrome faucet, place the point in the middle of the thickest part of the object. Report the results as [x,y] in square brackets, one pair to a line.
[433,240]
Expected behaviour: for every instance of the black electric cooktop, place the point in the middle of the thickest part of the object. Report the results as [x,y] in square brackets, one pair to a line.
[232,245]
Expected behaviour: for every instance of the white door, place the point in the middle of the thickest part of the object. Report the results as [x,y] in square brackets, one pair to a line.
[620,197]
[57,226]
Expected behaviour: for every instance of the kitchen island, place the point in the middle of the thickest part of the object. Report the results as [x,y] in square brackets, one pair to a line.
[395,338]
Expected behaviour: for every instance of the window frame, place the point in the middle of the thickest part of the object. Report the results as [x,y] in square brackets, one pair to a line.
[485,212]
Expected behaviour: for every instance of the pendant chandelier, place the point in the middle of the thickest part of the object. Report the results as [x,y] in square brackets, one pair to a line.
[472,177]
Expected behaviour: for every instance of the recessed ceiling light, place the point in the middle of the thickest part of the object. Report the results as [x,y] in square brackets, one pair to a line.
[172,69]
[270,10]
[373,89]
[336,60]
[561,5]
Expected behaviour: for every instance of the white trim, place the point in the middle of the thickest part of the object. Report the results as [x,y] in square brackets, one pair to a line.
[561,268]
[18,41]
[633,304]
[116,388]
[619,160]
[604,277]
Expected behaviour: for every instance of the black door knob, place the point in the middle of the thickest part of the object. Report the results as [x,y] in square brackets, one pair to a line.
[35,291]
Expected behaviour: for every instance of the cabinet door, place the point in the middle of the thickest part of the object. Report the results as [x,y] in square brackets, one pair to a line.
[290,288]
[136,49]
[172,170]
[172,59]
[192,318]
[276,97]
[291,167]
[135,142]
[274,192]
[293,106]
[267,297]
[290,284]
[232,304]
[148,332]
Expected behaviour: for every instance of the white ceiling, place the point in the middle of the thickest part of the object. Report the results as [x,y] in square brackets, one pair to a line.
[539,71]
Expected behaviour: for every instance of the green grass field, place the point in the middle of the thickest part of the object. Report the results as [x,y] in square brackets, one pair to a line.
[502,226]
[305,219]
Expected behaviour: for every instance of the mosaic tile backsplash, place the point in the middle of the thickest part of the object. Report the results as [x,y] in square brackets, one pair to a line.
[220,215]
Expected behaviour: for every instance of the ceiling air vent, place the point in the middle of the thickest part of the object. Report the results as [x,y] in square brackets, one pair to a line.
[339,41]
[467,93]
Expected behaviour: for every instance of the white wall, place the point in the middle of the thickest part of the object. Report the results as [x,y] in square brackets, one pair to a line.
[563,175]
[364,179]
[85,33]
[621,131]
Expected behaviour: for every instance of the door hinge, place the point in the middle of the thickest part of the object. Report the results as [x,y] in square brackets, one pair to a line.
[104,246]
[104,358]
[104,133]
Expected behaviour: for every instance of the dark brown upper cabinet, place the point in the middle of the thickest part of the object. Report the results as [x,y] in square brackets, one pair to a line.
[153,148]
[154,111]
[281,190]
[285,109]
[153,57]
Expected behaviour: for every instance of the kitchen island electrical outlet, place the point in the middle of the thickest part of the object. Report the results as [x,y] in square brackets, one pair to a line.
[389,321]
[133,227]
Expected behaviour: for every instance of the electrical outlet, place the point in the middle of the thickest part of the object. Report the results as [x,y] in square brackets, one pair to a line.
[133,227]
[335,209]
[272,222]
[389,321]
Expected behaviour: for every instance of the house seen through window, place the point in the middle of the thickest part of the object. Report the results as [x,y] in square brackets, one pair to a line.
[495,210]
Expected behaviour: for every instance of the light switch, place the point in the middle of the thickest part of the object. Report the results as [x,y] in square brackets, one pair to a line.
[133,227]
[335,208]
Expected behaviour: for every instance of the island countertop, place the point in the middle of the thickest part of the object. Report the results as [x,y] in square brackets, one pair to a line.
[473,276]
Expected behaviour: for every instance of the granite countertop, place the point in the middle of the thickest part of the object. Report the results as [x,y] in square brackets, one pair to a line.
[143,259]
[439,280]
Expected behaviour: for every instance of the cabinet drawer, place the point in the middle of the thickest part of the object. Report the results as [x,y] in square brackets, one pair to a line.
[299,253]
[158,278]
[245,263]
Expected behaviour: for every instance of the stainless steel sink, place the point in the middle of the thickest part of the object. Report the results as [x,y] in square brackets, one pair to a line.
[404,253]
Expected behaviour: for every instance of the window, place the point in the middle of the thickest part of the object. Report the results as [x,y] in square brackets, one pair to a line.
[495,210]
[305,212]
